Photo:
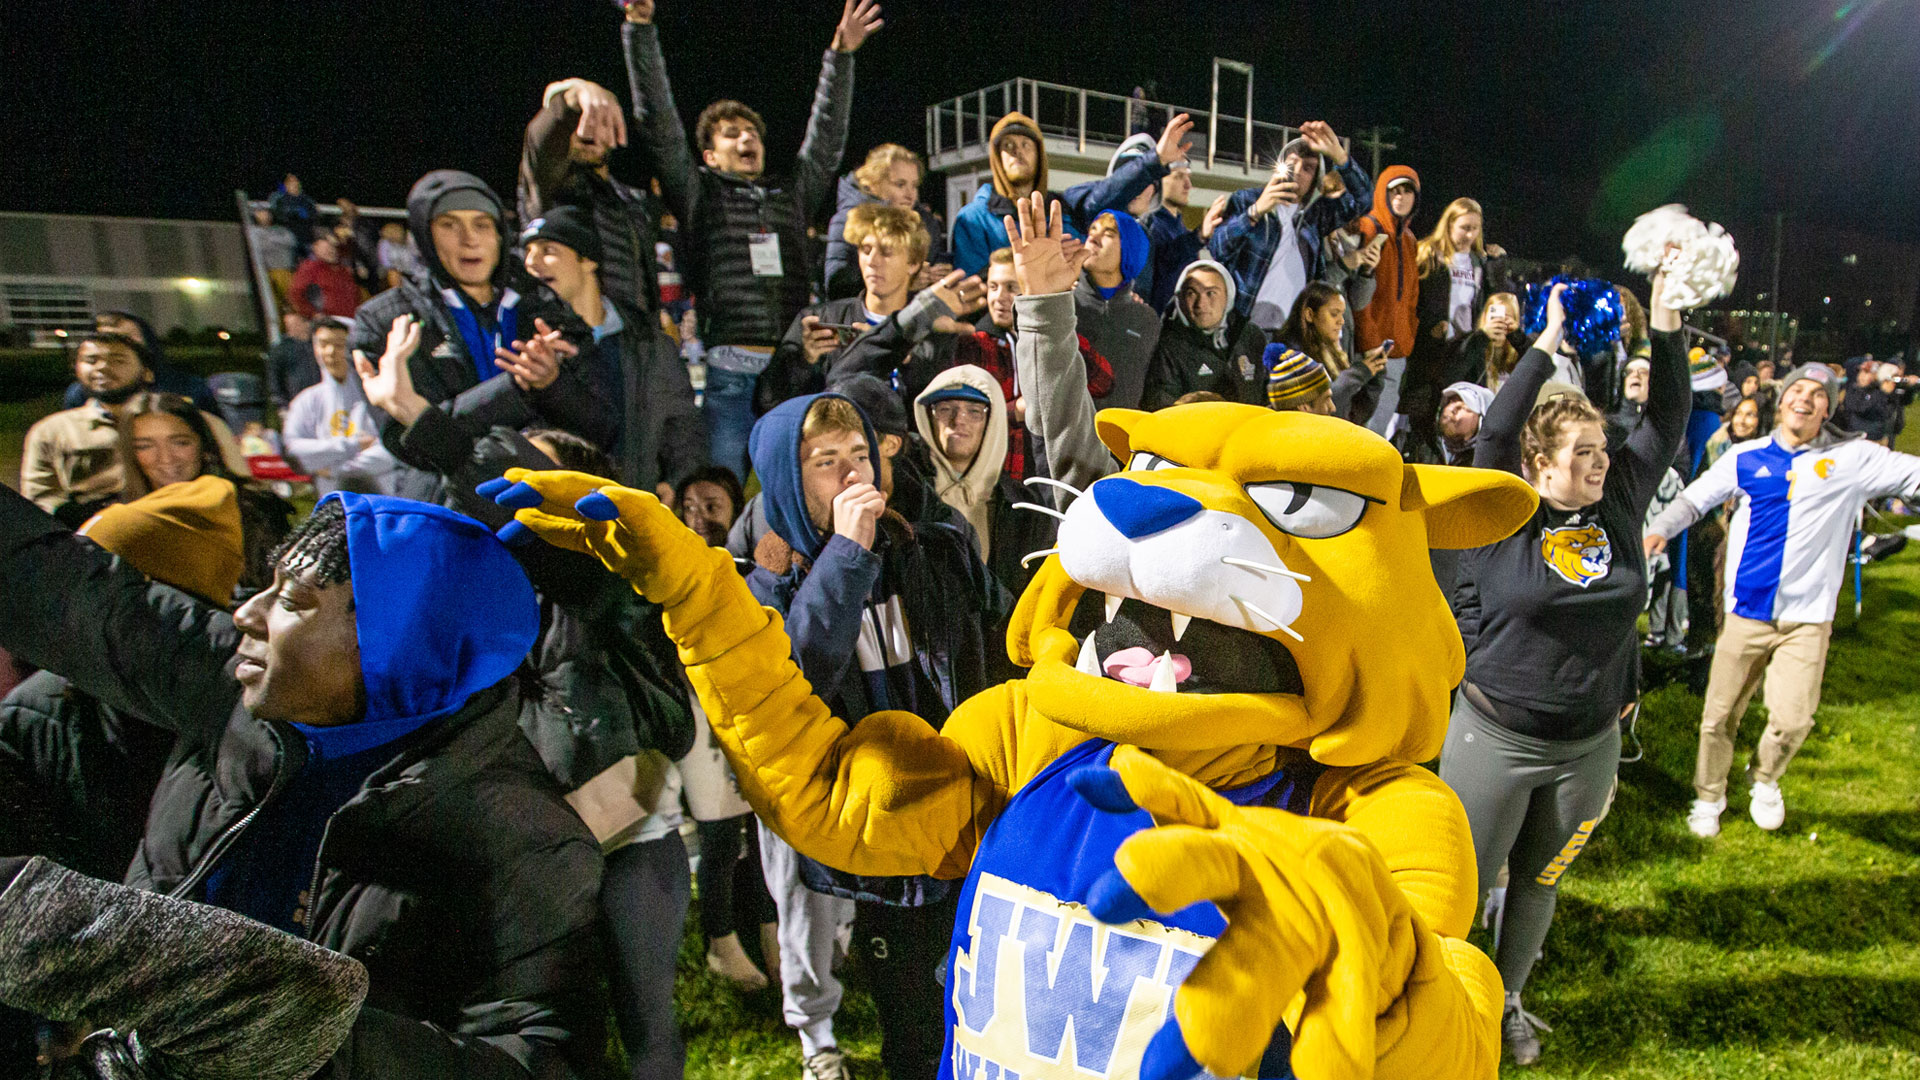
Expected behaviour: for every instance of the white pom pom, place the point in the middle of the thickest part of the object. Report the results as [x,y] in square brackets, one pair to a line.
[1646,242]
[1701,270]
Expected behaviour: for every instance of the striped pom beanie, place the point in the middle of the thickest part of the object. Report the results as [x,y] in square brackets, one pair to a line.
[1704,371]
[1293,377]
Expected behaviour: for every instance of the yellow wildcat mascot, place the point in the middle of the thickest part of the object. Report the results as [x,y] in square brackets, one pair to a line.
[1195,836]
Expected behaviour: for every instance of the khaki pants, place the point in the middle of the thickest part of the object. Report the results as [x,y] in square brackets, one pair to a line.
[1793,656]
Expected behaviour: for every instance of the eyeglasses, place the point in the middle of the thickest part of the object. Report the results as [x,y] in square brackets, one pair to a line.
[949,411]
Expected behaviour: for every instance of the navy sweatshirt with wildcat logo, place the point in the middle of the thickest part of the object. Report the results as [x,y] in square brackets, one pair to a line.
[1548,613]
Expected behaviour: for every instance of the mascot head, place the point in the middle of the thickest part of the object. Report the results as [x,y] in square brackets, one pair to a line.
[1257,578]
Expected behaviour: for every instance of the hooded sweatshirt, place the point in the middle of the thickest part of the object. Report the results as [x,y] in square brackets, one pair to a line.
[969,490]
[1120,325]
[1224,360]
[453,366]
[424,650]
[1394,311]
[322,429]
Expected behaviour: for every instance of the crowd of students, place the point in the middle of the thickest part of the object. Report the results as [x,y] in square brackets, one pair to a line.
[471,766]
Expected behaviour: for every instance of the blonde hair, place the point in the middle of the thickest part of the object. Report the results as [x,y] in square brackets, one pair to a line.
[891,226]
[1546,430]
[880,161]
[1633,318]
[831,415]
[1502,358]
[1001,257]
[1437,250]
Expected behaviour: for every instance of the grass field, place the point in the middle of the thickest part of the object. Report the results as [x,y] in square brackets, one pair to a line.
[1794,954]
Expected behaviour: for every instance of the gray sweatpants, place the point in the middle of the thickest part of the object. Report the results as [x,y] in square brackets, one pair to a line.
[1532,805]
[810,925]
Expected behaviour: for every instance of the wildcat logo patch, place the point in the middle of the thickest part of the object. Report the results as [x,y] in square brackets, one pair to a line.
[1823,468]
[1578,553]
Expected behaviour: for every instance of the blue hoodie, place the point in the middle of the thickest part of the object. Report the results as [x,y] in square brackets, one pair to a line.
[1134,249]
[774,447]
[443,611]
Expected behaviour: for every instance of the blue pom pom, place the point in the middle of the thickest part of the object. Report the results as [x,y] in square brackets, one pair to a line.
[1103,788]
[493,487]
[1593,312]
[521,496]
[597,507]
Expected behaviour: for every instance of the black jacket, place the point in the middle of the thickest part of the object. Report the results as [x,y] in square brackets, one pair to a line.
[1186,360]
[624,216]
[458,875]
[662,433]
[607,682]
[788,374]
[94,769]
[442,371]
[719,211]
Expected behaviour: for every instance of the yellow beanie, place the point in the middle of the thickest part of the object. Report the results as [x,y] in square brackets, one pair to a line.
[186,535]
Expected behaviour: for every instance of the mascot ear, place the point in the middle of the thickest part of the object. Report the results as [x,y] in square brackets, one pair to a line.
[1116,430]
[1467,508]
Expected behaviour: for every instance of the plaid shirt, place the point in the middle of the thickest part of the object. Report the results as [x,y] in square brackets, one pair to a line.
[994,353]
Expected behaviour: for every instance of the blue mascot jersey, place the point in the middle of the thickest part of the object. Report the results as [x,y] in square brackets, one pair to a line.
[1038,988]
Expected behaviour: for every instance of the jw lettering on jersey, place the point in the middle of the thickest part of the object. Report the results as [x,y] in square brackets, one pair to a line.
[1048,991]
[1037,988]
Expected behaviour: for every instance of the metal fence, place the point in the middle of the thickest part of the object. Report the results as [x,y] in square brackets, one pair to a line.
[1091,118]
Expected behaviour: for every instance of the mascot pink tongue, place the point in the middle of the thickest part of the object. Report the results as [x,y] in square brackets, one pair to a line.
[1136,666]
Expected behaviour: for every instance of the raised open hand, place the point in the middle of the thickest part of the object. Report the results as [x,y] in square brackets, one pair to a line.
[1321,140]
[1042,261]
[1216,214]
[388,381]
[1174,144]
[963,293]
[857,20]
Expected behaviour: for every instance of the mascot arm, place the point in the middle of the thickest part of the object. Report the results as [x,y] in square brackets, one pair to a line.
[889,795]
[1445,1022]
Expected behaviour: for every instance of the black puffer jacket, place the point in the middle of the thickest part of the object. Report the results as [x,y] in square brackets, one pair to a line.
[719,211]
[442,370]
[458,875]
[1185,360]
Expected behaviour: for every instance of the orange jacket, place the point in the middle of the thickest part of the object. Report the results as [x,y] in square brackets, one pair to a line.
[1392,314]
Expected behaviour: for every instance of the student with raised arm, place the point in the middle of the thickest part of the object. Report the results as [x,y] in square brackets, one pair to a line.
[1548,617]
[1800,490]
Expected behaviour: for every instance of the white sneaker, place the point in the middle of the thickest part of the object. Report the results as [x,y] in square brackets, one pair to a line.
[1768,809]
[828,1064]
[1703,820]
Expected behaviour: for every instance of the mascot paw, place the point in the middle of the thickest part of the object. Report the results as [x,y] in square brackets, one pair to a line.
[1309,908]
[630,531]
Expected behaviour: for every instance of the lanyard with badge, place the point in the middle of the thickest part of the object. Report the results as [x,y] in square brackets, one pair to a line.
[763,244]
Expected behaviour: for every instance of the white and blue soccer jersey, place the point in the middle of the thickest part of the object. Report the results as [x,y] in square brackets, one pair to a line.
[1787,543]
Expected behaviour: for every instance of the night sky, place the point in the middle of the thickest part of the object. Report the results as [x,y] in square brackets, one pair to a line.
[1563,125]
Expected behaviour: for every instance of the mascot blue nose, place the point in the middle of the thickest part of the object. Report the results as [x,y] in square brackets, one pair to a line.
[1139,510]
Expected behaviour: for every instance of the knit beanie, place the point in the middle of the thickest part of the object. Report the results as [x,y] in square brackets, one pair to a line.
[186,535]
[1813,373]
[568,226]
[1138,146]
[1703,371]
[1293,377]
[1016,124]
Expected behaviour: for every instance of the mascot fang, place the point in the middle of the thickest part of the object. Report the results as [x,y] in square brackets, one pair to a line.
[1195,836]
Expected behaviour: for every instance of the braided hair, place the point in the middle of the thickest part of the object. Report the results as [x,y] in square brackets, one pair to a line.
[317,547]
